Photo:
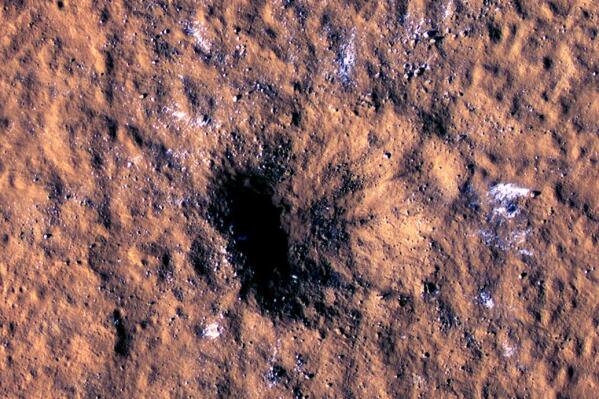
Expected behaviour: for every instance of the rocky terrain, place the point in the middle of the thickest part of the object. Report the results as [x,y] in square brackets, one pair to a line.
[299,199]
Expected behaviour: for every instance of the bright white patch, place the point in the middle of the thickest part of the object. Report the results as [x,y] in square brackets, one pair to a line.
[212,331]
[486,300]
[348,58]
[186,119]
[198,31]
[504,197]
[525,251]
[507,192]
[182,116]
[414,29]
[449,9]
[490,238]
[506,241]
[505,227]
[508,350]
[519,237]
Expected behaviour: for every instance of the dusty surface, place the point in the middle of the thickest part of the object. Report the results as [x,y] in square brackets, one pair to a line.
[324,199]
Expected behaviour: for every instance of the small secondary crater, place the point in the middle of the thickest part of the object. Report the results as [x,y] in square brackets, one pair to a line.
[122,346]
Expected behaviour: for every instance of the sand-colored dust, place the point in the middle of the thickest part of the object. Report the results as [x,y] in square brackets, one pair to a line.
[299,199]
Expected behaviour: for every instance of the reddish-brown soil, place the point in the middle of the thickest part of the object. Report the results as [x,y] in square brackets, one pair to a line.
[299,199]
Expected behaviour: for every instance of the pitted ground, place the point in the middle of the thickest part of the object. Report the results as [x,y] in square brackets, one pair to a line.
[259,199]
